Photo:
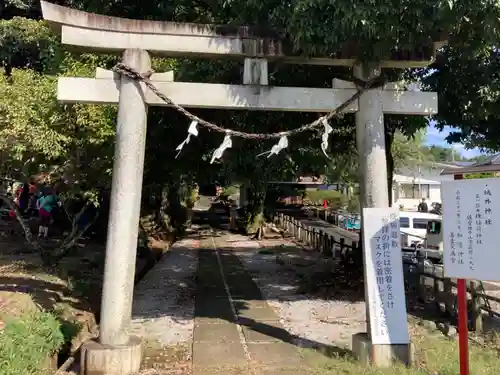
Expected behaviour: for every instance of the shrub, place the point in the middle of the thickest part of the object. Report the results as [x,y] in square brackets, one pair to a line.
[27,342]
[231,190]
[316,197]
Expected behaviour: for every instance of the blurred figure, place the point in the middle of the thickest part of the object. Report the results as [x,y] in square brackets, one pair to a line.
[46,205]
[422,207]
[24,198]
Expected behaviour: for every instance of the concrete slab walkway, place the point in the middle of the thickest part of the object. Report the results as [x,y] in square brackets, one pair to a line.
[236,331]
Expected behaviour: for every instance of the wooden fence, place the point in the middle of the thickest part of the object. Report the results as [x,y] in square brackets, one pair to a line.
[423,278]
[329,215]
[327,244]
[431,286]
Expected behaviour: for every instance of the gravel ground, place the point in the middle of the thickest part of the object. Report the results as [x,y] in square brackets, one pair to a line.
[163,309]
[315,321]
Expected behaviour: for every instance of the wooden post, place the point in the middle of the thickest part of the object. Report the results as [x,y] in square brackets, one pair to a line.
[329,240]
[477,315]
[448,295]
[437,292]
[422,288]
[320,241]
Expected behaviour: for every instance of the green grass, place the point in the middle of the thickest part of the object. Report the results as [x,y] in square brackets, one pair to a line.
[27,342]
[434,355]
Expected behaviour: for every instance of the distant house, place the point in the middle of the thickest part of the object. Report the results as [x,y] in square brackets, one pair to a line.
[490,165]
[410,185]
[408,191]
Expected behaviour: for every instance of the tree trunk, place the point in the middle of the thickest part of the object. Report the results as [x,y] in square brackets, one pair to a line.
[53,254]
[255,215]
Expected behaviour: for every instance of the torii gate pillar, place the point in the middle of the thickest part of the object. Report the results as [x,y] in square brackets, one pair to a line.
[117,352]
[370,139]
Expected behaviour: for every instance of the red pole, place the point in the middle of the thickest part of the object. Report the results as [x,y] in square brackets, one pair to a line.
[463,321]
[463,329]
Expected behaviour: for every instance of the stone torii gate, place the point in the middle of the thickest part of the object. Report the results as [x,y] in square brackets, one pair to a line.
[116,353]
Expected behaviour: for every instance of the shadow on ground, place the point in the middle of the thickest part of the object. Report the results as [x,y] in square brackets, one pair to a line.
[310,276]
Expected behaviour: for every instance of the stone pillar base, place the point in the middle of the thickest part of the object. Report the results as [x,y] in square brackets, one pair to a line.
[98,359]
[381,355]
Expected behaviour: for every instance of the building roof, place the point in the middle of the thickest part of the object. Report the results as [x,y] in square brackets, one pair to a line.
[414,180]
[491,164]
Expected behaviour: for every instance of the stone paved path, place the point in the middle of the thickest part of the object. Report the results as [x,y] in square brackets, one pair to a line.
[236,331]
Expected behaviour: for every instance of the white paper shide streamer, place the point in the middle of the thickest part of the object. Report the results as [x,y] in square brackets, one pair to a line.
[324,138]
[226,143]
[193,130]
[282,144]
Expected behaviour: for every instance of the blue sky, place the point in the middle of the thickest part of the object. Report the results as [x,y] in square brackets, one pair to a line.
[435,137]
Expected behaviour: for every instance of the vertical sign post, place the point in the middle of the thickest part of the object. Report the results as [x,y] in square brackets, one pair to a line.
[470,240]
[384,276]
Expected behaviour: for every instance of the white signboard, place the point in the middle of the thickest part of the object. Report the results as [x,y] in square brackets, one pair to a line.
[471,231]
[384,273]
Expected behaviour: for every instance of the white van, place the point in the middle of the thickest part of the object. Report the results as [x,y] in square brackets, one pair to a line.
[413,226]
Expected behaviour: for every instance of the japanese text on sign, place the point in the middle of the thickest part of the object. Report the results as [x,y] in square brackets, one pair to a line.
[469,212]
[384,272]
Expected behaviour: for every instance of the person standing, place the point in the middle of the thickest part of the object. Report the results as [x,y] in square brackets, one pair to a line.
[24,198]
[422,207]
[46,205]
[33,201]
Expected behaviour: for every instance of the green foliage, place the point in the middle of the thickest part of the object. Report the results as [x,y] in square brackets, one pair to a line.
[352,203]
[408,151]
[472,176]
[468,83]
[231,190]
[37,132]
[27,343]
[26,43]
[77,140]
[317,196]
[30,120]
[439,153]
